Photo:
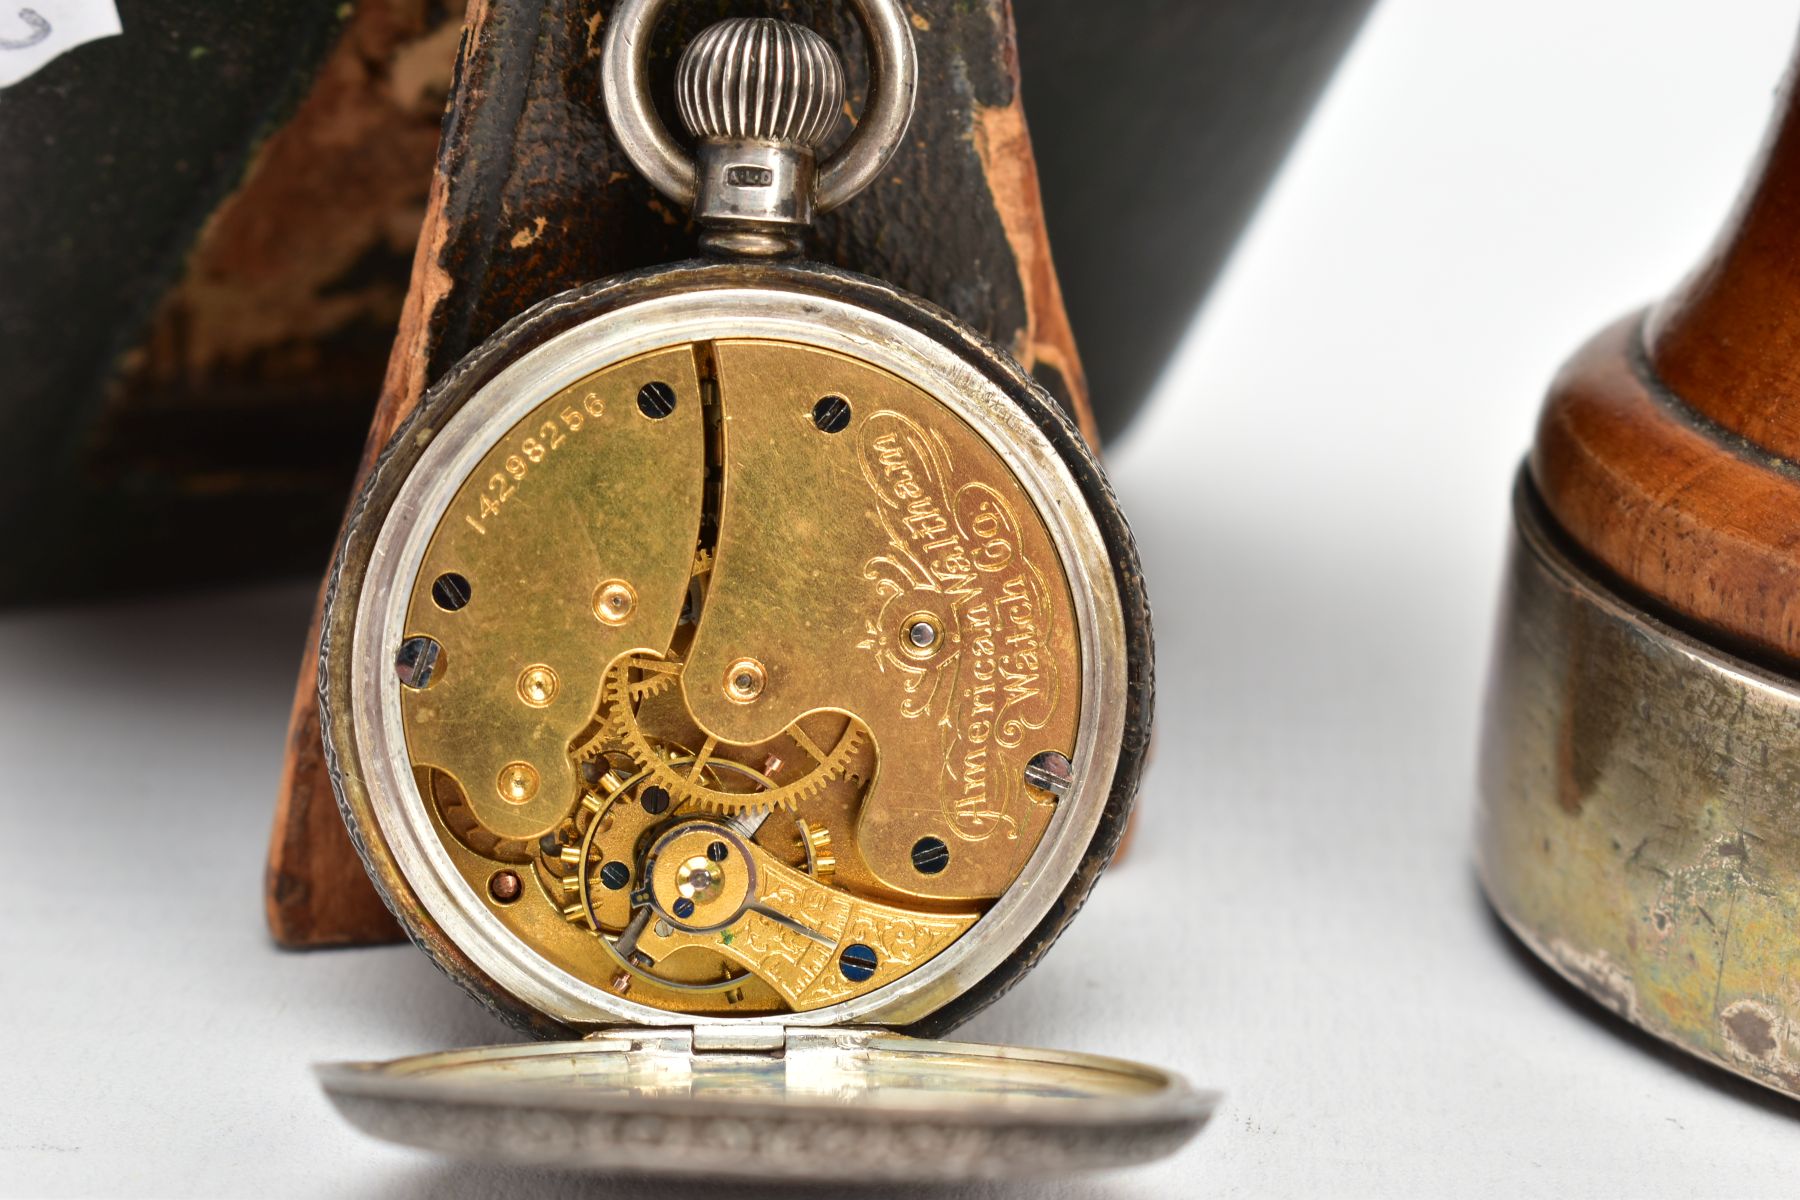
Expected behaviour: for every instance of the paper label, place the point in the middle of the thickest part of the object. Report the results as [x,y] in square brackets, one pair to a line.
[33,34]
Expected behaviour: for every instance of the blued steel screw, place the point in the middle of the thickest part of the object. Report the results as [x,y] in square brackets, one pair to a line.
[450,591]
[832,414]
[857,962]
[930,855]
[656,400]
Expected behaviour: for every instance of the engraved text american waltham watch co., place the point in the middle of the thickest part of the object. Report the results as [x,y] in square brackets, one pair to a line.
[743,668]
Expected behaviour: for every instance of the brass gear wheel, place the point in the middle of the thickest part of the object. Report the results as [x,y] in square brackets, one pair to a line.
[815,842]
[685,781]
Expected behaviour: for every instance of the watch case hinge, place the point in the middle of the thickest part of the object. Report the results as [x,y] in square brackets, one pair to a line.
[738,1038]
[720,1038]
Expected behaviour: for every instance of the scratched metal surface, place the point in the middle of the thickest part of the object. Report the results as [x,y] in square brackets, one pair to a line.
[1637,824]
[1324,602]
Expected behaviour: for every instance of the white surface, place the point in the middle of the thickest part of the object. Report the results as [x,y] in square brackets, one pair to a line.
[1320,494]
[33,35]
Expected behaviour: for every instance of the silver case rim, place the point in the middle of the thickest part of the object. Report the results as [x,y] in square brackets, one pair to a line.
[436,1102]
[711,314]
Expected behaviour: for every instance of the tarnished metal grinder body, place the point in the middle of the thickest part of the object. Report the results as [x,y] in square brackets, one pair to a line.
[744,667]
[1640,778]
[1639,828]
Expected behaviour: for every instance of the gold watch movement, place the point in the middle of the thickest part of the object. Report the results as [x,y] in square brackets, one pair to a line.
[740,651]
[740,676]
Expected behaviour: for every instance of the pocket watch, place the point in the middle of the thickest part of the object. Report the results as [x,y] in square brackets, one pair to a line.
[738,673]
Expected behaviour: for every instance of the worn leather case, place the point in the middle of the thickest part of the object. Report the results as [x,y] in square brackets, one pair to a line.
[531,197]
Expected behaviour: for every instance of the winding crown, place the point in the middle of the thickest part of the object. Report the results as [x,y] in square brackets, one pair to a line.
[759,79]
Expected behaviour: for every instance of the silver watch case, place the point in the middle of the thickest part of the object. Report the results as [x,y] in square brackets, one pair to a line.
[840,1072]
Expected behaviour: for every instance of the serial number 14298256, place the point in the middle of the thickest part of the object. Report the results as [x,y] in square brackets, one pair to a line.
[532,449]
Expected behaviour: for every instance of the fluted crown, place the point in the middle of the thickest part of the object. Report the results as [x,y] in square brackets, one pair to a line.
[760,79]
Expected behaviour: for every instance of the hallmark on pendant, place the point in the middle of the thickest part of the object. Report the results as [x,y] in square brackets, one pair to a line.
[747,176]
